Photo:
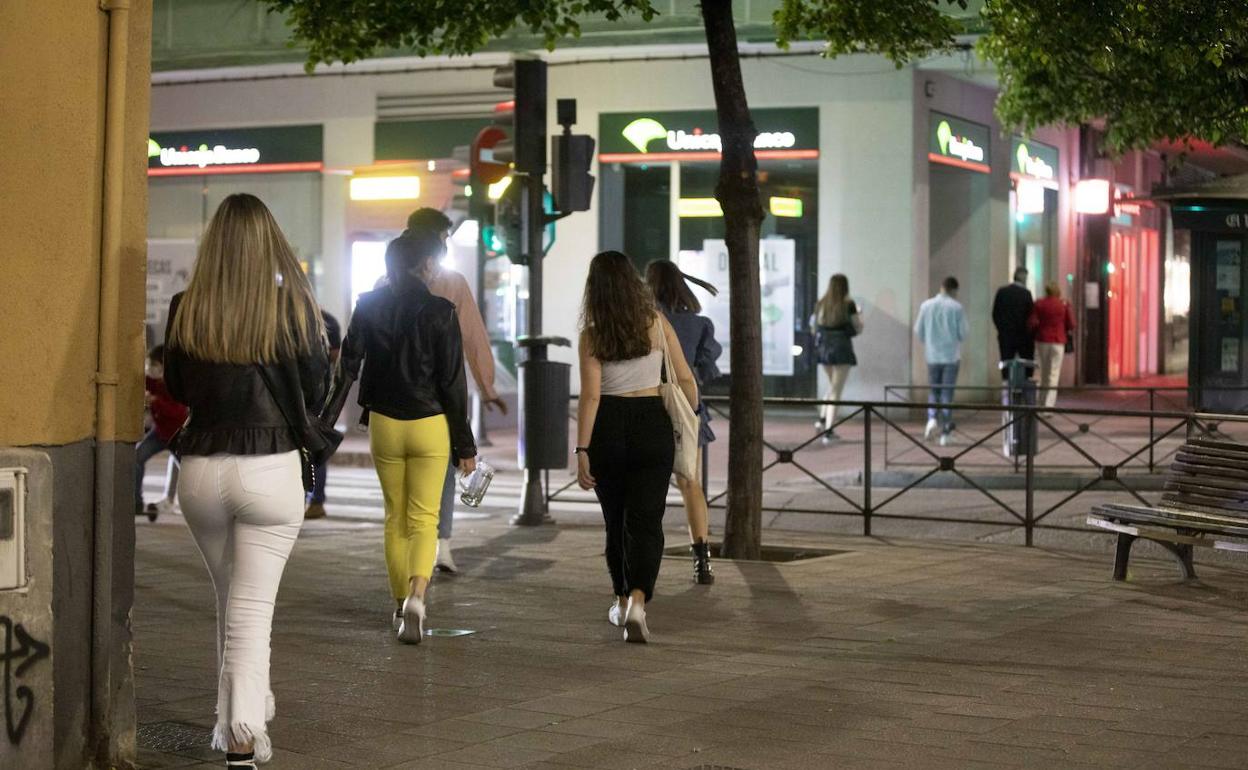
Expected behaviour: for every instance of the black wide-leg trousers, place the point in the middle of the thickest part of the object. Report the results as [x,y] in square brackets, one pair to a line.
[630,456]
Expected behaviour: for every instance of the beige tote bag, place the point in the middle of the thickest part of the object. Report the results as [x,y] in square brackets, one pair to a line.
[685,423]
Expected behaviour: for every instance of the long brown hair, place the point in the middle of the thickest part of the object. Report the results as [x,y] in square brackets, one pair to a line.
[248,300]
[670,286]
[617,311]
[833,306]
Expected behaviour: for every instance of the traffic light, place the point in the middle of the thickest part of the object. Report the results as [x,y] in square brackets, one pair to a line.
[506,232]
[525,113]
[572,155]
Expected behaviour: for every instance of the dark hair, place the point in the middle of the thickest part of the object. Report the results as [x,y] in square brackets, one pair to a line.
[670,287]
[949,284]
[618,310]
[409,255]
[428,220]
[1020,274]
[157,355]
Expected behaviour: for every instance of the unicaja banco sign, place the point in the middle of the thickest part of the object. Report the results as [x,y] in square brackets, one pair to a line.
[202,156]
[268,149]
[681,135]
[643,131]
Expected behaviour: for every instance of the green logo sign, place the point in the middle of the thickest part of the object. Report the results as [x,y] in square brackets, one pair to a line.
[943,134]
[642,131]
[153,148]
[1032,160]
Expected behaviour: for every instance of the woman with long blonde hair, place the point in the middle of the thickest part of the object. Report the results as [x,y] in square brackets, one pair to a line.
[836,322]
[245,351]
[625,446]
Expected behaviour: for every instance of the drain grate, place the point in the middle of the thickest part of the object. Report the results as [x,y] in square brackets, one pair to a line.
[172,737]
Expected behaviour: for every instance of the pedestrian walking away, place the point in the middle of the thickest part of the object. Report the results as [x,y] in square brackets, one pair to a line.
[1011,313]
[835,323]
[1052,322]
[625,445]
[696,333]
[453,286]
[246,319]
[316,498]
[167,417]
[412,386]
[941,327]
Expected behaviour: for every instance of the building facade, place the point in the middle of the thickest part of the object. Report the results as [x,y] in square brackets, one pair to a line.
[896,177]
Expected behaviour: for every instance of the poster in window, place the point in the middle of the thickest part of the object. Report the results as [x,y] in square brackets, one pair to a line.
[1230,355]
[169,264]
[1228,260]
[776,257]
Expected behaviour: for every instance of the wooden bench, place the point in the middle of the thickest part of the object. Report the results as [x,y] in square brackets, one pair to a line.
[1204,504]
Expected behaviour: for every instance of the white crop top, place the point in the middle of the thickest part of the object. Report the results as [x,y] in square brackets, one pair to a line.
[632,374]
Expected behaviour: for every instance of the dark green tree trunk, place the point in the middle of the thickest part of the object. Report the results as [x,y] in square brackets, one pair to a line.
[738,195]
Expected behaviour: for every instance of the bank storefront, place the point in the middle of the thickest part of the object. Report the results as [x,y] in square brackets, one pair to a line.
[656,188]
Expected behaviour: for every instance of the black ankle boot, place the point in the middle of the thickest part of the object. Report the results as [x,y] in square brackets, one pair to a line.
[240,760]
[702,572]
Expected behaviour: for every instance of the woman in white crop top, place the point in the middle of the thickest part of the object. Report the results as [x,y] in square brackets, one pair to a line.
[624,437]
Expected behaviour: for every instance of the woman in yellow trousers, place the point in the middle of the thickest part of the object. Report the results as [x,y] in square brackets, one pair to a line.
[413,389]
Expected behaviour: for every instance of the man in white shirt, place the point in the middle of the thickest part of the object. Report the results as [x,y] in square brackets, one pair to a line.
[941,327]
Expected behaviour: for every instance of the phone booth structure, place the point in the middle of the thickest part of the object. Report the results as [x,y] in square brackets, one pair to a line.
[1214,217]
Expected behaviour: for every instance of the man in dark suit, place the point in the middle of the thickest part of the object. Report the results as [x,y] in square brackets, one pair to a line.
[1010,311]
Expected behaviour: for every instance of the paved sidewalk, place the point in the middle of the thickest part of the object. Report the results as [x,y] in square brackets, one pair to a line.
[892,654]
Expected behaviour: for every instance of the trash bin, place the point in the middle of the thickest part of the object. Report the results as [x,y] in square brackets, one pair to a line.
[544,397]
[1018,437]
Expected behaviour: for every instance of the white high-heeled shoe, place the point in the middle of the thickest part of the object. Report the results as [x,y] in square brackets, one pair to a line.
[635,629]
[412,625]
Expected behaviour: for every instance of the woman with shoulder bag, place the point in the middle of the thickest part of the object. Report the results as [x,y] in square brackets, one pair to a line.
[624,435]
[247,317]
[408,342]
[837,322]
[696,333]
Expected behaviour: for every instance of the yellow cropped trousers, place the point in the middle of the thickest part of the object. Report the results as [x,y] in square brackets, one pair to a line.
[410,457]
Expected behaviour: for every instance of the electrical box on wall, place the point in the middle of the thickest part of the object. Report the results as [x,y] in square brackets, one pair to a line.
[12,528]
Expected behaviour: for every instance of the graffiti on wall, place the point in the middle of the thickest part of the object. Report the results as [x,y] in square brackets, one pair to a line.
[21,651]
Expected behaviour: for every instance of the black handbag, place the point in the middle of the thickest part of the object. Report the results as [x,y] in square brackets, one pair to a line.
[317,441]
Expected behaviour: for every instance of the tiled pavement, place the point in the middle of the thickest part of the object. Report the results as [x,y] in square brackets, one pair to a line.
[893,654]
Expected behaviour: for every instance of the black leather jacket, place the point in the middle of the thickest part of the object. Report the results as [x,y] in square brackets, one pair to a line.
[232,411]
[409,344]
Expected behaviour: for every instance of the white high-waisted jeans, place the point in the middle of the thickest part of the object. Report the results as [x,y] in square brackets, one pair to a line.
[244,512]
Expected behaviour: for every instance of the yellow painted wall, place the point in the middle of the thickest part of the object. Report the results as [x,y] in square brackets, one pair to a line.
[53,56]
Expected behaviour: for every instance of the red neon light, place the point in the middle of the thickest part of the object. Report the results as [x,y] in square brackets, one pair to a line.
[507,106]
[658,157]
[958,163]
[250,168]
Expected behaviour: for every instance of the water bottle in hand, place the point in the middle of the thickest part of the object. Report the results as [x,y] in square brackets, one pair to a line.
[472,486]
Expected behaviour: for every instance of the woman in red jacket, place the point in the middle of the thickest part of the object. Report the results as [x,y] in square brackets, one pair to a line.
[167,416]
[1052,322]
